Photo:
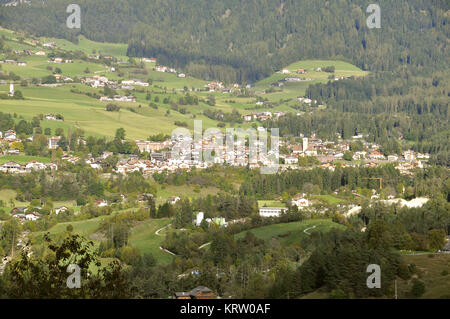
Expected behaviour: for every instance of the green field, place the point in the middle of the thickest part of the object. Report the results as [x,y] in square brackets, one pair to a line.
[23,159]
[330,199]
[184,191]
[291,232]
[437,285]
[294,89]
[143,237]
[89,114]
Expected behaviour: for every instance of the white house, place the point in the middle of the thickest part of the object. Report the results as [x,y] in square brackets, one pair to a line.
[199,218]
[174,199]
[10,135]
[53,142]
[36,166]
[291,160]
[300,202]
[60,209]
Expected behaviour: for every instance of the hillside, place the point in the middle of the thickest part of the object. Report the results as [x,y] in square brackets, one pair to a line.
[85,112]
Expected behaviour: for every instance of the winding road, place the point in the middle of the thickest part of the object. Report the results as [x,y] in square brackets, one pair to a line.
[305,231]
[160,247]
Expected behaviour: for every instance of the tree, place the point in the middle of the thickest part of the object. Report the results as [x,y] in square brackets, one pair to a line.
[348,156]
[379,234]
[418,288]
[120,133]
[152,207]
[46,277]
[436,239]
[59,131]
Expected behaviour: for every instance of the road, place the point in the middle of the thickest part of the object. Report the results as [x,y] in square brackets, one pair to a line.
[305,231]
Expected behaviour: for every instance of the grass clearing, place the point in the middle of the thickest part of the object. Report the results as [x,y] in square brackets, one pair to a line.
[143,237]
[431,270]
[291,232]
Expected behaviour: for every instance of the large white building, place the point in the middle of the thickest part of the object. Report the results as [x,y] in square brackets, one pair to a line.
[271,211]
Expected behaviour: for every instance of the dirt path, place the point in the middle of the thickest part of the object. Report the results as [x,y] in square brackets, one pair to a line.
[305,231]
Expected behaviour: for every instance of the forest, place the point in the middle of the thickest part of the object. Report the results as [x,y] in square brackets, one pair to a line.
[244,41]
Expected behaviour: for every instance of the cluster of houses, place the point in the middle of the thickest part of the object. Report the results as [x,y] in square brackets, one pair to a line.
[52,117]
[60,60]
[298,201]
[33,214]
[219,221]
[148,60]
[126,84]
[263,116]
[98,81]
[12,167]
[220,87]
[9,137]
[181,152]
[60,77]
[326,152]
[118,98]
[162,68]
[13,62]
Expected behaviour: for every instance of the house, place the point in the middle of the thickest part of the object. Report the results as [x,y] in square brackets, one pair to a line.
[52,166]
[297,149]
[409,155]
[376,155]
[18,210]
[35,166]
[291,160]
[271,211]
[40,53]
[173,199]
[392,158]
[199,292]
[161,68]
[60,209]
[11,167]
[285,71]
[49,45]
[50,117]
[10,135]
[301,71]
[148,146]
[33,216]
[248,117]
[292,79]
[300,202]
[53,142]
[13,151]
[101,203]
[149,60]
[323,159]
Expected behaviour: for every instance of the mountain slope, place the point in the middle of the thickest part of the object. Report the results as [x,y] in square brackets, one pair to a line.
[248,40]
